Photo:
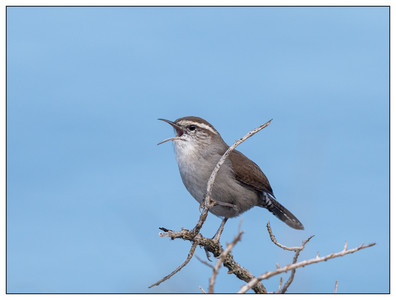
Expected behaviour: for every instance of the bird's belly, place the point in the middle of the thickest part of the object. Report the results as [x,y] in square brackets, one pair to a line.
[230,196]
[194,181]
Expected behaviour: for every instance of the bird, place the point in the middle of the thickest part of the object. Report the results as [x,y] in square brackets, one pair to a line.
[240,183]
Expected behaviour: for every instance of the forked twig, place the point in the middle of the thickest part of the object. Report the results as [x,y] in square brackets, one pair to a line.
[297,251]
[304,263]
[216,249]
[293,272]
[273,239]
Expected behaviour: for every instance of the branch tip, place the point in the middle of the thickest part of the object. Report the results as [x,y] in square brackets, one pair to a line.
[304,263]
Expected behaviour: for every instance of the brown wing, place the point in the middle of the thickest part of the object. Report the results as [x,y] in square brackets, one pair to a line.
[247,172]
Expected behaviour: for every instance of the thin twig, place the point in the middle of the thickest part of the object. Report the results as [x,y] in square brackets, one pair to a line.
[190,255]
[293,272]
[280,285]
[221,259]
[335,287]
[297,251]
[273,239]
[204,262]
[304,263]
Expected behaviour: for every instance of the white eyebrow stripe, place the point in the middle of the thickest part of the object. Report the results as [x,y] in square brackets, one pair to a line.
[202,125]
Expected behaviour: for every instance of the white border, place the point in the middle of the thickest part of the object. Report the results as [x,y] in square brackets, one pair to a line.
[151,3]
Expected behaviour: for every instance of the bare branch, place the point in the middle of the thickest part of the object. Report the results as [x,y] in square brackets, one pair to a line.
[273,239]
[295,249]
[221,259]
[190,255]
[204,262]
[335,287]
[216,249]
[280,285]
[304,263]
[293,272]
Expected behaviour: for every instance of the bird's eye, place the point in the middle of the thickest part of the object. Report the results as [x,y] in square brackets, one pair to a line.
[192,127]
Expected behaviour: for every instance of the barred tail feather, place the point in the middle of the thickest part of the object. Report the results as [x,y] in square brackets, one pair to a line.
[280,211]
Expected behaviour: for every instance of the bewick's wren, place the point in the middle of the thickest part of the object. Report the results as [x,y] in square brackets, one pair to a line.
[240,184]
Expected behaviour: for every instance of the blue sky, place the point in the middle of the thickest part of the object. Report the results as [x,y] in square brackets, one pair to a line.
[87,186]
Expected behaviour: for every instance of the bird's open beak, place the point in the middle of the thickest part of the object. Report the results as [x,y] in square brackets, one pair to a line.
[178,129]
